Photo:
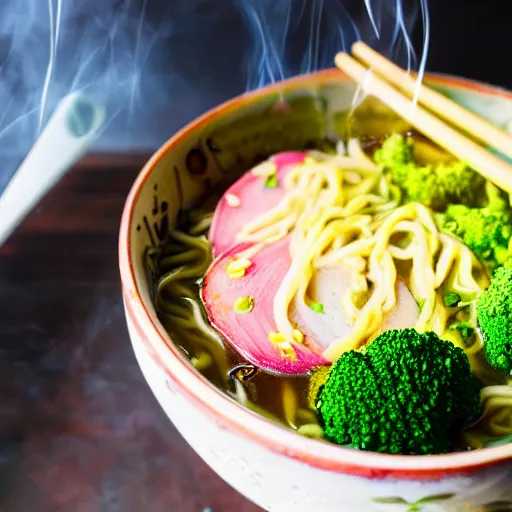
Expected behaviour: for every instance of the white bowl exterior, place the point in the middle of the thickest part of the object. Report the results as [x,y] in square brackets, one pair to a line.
[278,483]
[275,481]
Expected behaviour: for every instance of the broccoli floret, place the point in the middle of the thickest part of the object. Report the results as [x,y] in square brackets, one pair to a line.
[319,377]
[494,317]
[436,185]
[486,231]
[395,151]
[406,393]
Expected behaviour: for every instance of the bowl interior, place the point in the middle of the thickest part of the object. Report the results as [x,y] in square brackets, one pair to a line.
[303,113]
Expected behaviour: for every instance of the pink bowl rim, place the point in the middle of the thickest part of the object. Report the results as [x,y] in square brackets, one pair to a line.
[230,414]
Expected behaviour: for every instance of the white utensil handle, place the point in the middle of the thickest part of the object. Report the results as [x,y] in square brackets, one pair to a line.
[67,136]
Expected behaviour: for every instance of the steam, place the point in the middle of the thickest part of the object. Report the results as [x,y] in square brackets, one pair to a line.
[54,42]
[369,8]
[404,13]
[292,37]
[158,64]
[426,44]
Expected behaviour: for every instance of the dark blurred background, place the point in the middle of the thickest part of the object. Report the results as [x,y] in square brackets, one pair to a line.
[157,64]
[471,38]
[79,428]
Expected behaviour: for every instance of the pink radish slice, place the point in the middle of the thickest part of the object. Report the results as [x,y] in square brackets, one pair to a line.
[248,333]
[247,199]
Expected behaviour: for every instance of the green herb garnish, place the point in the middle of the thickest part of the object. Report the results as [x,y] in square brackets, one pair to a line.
[243,305]
[360,298]
[451,299]
[271,181]
[465,329]
[421,303]
[317,307]
[404,242]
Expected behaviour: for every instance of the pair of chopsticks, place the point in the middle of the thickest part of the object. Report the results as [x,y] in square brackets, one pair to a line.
[379,77]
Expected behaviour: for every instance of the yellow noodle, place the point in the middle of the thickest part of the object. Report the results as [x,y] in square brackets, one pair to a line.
[308,416]
[496,422]
[199,242]
[180,258]
[176,298]
[169,309]
[290,404]
[340,209]
[311,430]
[240,393]
[202,361]
[496,391]
[202,225]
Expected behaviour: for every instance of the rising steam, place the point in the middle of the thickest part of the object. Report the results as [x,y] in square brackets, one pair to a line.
[157,64]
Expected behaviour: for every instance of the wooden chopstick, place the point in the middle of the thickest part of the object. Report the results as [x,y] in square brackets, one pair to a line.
[444,107]
[480,159]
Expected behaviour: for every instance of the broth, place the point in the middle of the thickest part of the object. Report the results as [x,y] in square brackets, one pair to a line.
[177,269]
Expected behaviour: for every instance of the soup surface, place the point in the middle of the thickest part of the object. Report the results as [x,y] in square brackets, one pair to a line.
[371,272]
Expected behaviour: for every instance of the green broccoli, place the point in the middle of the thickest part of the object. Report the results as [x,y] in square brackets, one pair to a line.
[405,393]
[494,317]
[436,185]
[486,231]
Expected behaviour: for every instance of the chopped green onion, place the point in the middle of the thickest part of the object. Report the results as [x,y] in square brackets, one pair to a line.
[404,242]
[317,307]
[465,329]
[271,181]
[360,298]
[451,299]
[243,305]
[200,282]
[390,501]
[421,303]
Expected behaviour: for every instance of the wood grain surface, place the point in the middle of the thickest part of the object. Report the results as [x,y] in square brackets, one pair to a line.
[80,431]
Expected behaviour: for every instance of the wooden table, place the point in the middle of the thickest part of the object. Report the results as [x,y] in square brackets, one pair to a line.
[80,429]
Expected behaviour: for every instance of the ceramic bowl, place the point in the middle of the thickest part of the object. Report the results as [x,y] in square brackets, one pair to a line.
[272,466]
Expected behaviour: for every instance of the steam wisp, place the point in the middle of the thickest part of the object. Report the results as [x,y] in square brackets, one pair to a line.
[158,64]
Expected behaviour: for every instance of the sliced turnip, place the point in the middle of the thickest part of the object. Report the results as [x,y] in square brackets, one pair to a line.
[248,331]
[328,286]
[251,196]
